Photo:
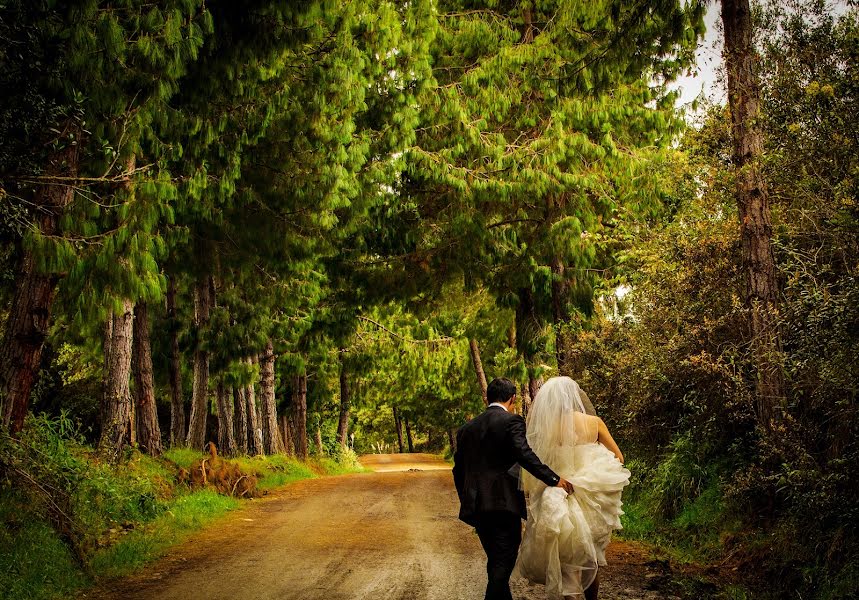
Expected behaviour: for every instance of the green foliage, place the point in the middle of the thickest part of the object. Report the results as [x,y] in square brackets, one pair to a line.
[119,517]
[186,514]
[35,564]
[370,185]
[670,368]
[83,498]
[541,132]
[181,457]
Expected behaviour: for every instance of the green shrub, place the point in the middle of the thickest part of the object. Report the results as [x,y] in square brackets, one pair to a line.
[35,564]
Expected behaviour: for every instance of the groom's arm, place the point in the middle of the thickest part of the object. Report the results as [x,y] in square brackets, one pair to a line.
[525,456]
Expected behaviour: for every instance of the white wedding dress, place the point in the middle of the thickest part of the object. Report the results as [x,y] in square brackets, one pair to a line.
[566,535]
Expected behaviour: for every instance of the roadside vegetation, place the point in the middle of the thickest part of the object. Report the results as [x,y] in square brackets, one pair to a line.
[68,518]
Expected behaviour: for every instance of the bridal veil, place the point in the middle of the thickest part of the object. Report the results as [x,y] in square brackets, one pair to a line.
[566,535]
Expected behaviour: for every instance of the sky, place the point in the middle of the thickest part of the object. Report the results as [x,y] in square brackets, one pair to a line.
[704,78]
[708,59]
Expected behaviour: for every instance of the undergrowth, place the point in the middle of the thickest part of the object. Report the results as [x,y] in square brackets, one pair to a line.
[687,511]
[68,519]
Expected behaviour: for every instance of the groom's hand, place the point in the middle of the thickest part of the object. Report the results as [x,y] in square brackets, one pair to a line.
[563,483]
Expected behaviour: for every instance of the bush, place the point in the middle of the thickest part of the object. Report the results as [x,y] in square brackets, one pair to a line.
[67,485]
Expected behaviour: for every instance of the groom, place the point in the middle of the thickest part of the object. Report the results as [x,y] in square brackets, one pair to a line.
[487,448]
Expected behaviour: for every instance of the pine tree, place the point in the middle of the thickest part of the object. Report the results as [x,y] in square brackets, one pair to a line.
[177,404]
[345,402]
[271,434]
[117,428]
[148,429]
[756,229]
[200,395]
[119,68]
[541,131]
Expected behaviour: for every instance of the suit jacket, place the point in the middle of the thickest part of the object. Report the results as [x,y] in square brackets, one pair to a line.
[487,447]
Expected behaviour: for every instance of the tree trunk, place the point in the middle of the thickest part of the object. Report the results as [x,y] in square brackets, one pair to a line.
[526,399]
[754,211]
[200,395]
[451,439]
[478,368]
[271,433]
[534,385]
[300,416]
[30,312]
[255,445]
[177,404]
[409,435]
[320,449]
[116,403]
[529,337]
[240,419]
[226,432]
[148,430]
[398,423]
[286,432]
[343,423]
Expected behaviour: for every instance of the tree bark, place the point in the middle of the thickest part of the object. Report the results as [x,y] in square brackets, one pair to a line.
[148,430]
[343,423]
[534,385]
[300,416]
[116,404]
[286,432]
[320,449]
[200,395]
[409,435]
[526,399]
[478,368]
[451,439]
[255,445]
[753,209]
[30,312]
[177,404]
[226,432]
[271,433]
[240,419]
[398,424]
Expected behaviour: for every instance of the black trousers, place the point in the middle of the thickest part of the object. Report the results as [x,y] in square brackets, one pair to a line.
[500,534]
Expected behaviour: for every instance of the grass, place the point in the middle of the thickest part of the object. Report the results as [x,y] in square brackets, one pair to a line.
[144,544]
[136,512]
[687,524]
[34,563]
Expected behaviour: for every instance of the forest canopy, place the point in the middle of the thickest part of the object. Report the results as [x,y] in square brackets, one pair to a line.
[319,228]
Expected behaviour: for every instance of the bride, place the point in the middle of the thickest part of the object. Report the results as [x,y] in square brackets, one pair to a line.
[566,536]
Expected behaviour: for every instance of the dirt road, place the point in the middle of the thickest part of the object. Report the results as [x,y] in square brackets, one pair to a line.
[387,535]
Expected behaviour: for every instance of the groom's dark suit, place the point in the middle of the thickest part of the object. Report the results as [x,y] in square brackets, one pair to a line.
[487,447]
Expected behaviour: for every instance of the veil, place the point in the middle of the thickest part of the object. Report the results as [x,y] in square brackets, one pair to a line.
[551,429]
[566,535]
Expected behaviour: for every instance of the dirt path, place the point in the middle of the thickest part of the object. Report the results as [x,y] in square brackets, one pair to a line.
[387,535]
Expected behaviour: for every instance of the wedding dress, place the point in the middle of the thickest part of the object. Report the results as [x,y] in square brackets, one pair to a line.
[566,535]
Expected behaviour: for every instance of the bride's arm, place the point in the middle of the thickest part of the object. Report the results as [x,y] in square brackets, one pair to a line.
[604,438]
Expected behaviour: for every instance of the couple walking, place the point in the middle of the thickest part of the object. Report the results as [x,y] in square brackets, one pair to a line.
[572,472]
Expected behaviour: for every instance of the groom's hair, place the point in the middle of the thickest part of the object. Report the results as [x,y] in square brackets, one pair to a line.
[500,390]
